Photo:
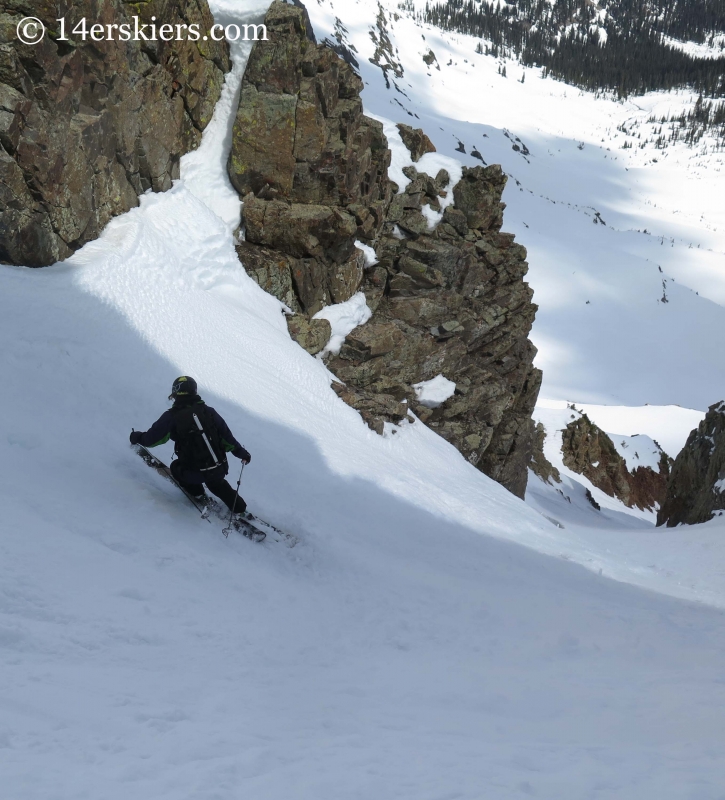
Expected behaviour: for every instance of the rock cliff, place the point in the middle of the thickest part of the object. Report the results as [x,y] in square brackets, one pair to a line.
[589,451]
[87,126]
[311,167]
[446,299]
[451,301]
[696,486]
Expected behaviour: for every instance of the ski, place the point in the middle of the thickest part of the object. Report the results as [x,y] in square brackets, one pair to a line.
[247,524]
[262,526]
[243,527]
[253,527]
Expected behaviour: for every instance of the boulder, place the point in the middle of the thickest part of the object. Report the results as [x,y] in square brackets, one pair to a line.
[310,277]
[375,408]
[300,128]
[346,278]
[267,160]
[300,230]
[310,334]
[272,270]
[416,141]
[370,341]
[478,196]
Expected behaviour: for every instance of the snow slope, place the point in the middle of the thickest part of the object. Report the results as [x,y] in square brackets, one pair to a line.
[407,647]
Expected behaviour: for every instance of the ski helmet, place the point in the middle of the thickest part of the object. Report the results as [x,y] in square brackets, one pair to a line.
[184,386]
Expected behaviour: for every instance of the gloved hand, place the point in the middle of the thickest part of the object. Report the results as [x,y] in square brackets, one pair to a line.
[244,456]
[135,437]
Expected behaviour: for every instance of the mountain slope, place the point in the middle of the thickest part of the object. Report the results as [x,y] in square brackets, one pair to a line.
[625,243]
[624,45]
[393,651]
[403,649]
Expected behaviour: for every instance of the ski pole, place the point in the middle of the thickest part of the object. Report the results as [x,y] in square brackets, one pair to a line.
[234,504]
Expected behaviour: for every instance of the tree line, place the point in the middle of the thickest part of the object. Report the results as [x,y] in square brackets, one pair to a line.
[623,50]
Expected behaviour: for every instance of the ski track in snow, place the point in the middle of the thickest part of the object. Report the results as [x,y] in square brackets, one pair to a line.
[408,647]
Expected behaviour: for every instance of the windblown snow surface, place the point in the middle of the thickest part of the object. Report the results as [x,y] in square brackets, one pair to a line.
[430,636]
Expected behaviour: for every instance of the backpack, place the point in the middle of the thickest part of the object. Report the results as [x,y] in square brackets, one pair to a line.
[198,442]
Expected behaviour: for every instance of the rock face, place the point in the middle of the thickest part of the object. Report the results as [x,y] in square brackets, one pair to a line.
[312,169]
[86,127]
[696,487]
[451,301]
[311,334]
[447,299]
[589,451]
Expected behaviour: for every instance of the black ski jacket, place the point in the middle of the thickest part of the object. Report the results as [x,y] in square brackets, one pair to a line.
[165,428]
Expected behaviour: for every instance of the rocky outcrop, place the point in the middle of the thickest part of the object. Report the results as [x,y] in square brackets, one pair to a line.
[311,167]
[450,300]
[385,55]
[590,452]
[376,409]
[696,486]
[87,126]
[310,334]
[540,464]
[447,296]
[416,141]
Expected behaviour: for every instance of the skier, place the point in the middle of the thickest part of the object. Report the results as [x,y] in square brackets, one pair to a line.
[202,440]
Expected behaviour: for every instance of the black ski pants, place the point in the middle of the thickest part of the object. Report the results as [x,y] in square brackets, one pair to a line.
[215,483]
